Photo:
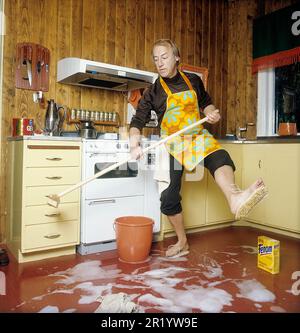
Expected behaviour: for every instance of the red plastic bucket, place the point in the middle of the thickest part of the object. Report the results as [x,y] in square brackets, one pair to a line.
[134,238]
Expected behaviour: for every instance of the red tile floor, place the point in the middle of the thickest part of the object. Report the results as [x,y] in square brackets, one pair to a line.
[218,275]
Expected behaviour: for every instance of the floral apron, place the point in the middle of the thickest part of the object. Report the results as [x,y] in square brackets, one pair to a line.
[192,146]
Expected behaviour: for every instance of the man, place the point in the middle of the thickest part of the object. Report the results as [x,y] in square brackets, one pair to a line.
[177,98]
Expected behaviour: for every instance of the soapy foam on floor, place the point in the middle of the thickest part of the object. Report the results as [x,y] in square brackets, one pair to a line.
[69,311]
[49,309]
[212,268]
[196,297]
[244,274]
[228,253]
[275,308]
[86,271]
[162,282]
[254,291]
[249,249]
[178,259]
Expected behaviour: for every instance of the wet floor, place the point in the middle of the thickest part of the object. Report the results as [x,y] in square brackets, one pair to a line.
[219,274]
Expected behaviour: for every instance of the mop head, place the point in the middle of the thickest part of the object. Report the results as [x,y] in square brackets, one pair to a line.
[253,200]
[117,303]
[53,200]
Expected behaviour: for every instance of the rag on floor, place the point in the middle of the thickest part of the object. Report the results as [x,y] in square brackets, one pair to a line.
[116,303]
[162,168]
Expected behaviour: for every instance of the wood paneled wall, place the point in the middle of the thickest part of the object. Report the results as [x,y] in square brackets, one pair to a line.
[114,31]
[213,33]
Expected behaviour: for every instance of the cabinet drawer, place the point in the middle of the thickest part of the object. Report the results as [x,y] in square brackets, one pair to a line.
[51,176]
[51,156]
[50,235]
[37,195]
[47,214]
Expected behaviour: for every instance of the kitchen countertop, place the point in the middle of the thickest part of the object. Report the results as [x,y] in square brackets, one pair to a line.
[275,139]
[270,139]
[44,137]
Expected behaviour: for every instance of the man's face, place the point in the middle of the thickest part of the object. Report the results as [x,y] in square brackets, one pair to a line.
[165,61]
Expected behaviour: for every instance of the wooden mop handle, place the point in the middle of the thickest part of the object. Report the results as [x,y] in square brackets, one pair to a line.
[116,165]
[158,143]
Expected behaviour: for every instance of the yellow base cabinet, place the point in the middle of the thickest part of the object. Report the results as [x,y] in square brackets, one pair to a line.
[217,208]
[204,204]
[254,167]
[40,168]
[279,165]
[193,192]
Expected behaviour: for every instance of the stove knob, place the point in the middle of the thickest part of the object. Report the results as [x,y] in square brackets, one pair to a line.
[118,145]
[126,146]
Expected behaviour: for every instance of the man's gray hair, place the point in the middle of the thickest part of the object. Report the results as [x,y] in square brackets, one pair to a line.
[167,42]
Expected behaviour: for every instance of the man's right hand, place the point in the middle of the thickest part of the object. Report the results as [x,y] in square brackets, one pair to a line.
[136,152]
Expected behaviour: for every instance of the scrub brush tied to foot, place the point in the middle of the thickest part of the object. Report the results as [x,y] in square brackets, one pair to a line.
[245,201]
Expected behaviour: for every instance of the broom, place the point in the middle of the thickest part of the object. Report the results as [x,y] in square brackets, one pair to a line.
[54,199]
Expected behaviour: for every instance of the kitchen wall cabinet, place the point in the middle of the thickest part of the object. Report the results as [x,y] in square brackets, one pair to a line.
[39,168]
[279,165]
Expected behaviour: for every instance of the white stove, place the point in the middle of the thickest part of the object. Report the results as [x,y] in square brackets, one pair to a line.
[129,190]
[106,146]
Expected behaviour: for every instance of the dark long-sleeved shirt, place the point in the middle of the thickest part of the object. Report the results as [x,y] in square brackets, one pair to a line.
[155,98]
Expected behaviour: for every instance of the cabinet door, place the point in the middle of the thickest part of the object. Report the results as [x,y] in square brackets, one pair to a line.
[217,208]
[255,166]
[193,194]
[193,197]
[283,180]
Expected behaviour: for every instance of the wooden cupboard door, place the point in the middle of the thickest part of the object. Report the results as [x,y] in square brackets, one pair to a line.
[283,180]
[217,208]
[255,166]
[193,194]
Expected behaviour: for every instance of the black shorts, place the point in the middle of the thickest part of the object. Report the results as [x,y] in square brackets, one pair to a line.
[170,198]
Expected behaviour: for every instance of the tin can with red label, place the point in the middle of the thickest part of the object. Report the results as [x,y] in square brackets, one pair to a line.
[22,126]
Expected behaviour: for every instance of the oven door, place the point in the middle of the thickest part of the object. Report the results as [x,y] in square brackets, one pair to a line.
[98,220]
[126,180]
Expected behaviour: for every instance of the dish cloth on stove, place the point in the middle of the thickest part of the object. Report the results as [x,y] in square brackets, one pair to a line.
[116,303]
[162,168]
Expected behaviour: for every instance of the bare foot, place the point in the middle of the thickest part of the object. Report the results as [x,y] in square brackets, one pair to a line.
[178,249]
[238,196]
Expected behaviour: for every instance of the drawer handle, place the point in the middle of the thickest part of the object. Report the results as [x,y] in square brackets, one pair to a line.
[259,164]
[54,177]
[52,236]
[52,215]
[103,201]
[53,158]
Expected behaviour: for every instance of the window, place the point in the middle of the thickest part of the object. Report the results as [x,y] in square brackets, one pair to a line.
[287,94]
[278,98]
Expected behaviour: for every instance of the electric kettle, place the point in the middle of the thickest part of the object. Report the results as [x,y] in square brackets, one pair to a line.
[54,118]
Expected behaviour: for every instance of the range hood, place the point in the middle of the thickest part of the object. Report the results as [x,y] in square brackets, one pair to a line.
[87,73]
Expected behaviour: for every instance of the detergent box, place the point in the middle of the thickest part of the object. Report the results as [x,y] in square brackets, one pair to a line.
[268,254]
